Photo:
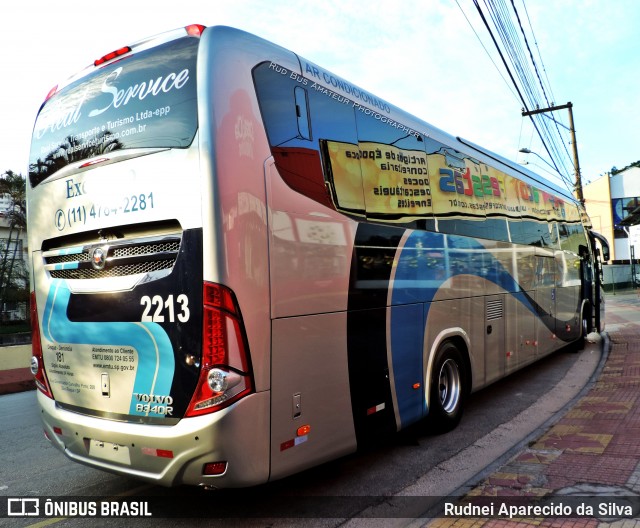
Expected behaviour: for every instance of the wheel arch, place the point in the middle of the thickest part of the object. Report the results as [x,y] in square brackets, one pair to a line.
[461,339]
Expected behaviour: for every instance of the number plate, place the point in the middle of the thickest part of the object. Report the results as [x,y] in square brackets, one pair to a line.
[111,452]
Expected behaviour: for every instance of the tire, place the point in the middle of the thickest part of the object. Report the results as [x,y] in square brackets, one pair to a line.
[447,389]
[584,331]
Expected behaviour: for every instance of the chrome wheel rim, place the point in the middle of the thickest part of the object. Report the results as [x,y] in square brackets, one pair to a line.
[449,386]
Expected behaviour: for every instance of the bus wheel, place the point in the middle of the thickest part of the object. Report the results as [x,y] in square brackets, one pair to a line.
[447,388]
[582,341]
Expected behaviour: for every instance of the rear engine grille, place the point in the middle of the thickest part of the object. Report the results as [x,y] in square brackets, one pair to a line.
[146,249]
[113,259]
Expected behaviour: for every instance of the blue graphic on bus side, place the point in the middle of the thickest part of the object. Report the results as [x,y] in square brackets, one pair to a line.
[417,280]
[156,363]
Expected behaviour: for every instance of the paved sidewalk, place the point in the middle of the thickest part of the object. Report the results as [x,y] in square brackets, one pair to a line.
[587,465]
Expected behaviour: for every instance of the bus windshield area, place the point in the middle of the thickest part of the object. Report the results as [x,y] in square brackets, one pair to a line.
[145,100]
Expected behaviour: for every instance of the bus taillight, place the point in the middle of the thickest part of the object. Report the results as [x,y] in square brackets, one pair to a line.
[195,30]
[37,361]
[113,55]
[225,375]
[51,93]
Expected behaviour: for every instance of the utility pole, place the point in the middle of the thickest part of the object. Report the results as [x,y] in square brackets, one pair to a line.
[574,144]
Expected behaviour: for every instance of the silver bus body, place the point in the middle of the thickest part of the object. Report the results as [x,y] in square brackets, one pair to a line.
[338,299]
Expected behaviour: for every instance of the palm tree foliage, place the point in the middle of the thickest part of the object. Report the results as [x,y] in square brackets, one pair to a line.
[13,271]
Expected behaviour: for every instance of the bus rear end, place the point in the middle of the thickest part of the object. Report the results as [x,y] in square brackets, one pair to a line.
[142,365]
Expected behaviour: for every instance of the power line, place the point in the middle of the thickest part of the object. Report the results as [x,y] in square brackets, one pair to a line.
[485,49]
[518,58]
[527,85]
[533,61]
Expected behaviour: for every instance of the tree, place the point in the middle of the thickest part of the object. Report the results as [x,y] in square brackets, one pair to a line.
[615,170]
[13,273]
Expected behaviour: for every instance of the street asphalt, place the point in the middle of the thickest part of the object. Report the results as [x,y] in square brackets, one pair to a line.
[583,470]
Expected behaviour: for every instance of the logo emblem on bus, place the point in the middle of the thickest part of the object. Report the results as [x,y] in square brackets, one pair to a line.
[99,258]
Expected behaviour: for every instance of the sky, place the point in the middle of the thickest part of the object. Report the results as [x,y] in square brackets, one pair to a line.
[427,57]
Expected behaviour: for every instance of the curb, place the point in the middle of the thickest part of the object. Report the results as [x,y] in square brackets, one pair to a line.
[17,380]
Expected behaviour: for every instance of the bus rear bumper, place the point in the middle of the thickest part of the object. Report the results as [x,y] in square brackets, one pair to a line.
[169,455]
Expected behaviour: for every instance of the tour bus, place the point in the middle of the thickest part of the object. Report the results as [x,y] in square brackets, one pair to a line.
[244,266]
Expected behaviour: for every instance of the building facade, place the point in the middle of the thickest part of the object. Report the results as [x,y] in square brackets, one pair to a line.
[613,203]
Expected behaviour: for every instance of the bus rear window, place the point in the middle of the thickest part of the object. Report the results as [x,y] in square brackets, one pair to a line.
[146,100]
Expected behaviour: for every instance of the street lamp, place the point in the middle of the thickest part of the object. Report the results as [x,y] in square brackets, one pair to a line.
[527,151]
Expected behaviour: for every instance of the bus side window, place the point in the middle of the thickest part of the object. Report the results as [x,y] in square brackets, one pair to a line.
[302,112]
[572,236]
[303,125]
[334,132]
[394,168]
[276,104]
[554,237]
[531,232]
[461,190]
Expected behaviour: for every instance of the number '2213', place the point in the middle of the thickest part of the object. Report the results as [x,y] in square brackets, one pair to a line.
[159,310]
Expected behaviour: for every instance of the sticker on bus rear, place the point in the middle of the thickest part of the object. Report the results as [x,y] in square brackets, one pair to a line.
[116,367]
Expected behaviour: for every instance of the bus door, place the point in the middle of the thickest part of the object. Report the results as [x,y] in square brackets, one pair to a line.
[599,256]
[588,289]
